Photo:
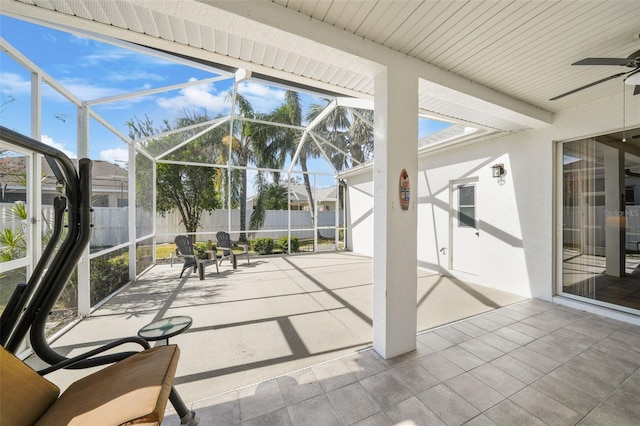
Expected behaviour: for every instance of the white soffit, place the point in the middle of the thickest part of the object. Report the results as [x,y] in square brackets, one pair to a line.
[190,28]
[457,106]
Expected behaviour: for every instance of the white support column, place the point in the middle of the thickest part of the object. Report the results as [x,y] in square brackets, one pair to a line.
[84,284]
[34,190]
[314,218]
[615,220]
[131,211]
[337,215]
[395,239]
[289,212]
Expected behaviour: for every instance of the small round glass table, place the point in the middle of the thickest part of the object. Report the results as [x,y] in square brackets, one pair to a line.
[165,328]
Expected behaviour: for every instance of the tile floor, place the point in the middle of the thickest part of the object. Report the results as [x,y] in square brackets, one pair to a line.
[530,363]
[584,275]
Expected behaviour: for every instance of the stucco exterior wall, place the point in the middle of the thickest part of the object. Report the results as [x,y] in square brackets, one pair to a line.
[514,213]
[360,212]
[516,216]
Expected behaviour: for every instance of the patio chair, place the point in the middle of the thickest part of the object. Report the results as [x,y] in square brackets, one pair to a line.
[226,245]
[188,253]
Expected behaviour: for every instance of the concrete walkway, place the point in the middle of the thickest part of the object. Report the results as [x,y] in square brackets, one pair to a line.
[267,318]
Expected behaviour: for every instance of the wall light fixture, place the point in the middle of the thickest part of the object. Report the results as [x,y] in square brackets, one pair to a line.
[497,170]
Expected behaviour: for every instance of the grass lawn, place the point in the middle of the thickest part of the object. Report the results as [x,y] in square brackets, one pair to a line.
[163,251]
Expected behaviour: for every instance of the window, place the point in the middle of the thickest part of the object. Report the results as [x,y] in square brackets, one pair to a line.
[467,206]
[630,195]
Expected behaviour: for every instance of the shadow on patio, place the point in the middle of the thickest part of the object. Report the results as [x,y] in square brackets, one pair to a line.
[271,317]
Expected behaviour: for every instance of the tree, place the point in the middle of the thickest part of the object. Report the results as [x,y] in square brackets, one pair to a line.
[349,130]
[187,188]
[277,142]
[247,145]
[276,197]
[272,196]
[13,242]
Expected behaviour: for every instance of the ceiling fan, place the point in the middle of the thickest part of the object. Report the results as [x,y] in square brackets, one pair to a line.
[632,77]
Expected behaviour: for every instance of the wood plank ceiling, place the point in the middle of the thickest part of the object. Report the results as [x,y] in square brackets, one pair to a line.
[522,49]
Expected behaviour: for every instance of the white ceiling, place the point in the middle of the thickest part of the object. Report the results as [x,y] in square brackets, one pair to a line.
[492,63]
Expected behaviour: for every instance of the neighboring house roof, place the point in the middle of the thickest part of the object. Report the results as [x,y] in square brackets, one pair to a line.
[298,193]
[104,174]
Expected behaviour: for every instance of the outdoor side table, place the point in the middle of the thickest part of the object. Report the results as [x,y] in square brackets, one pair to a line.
[165,328]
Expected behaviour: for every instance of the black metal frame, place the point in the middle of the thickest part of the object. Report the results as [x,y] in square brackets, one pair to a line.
[32,302]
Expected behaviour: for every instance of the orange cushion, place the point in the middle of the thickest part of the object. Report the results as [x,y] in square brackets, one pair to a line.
[132,391]
[24,394]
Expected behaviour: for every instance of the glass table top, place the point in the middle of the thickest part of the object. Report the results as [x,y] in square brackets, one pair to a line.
[165,328]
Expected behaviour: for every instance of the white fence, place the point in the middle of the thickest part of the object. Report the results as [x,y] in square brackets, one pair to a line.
[111,224]
[275,224]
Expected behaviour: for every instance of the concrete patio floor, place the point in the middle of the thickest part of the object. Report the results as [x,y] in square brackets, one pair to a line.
[286,340]
[272,316]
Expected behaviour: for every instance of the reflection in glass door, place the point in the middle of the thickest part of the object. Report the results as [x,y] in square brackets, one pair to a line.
[601,221]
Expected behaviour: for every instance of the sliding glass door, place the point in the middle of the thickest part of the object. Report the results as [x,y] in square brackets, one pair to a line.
[601,221]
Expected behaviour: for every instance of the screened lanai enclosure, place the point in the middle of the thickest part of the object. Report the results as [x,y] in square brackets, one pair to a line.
[260,161]
[197,148]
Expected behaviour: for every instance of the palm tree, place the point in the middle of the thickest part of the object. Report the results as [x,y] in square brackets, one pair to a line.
[361,137]
[349,131]
[13,242]
[334,129]
[277,143]
[272,196]
[247,144]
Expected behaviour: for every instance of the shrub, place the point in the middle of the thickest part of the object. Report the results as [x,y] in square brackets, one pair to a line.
[107,275]
[263,245]
[283,243]
[199,249]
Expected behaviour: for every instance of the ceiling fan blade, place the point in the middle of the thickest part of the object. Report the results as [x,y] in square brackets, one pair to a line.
[627,62]
[611,77]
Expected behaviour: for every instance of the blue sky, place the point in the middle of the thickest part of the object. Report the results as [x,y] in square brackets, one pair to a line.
[93,70]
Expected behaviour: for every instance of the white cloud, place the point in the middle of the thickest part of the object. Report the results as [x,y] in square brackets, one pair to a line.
[16,84]
[201,96]
[79,40]
[262,98]
[87,91]
[134,75]
[101,53]
[13,83]
[49,141]
[115,155]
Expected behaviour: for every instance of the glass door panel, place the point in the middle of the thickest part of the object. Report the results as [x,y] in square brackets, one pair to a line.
[601,222]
